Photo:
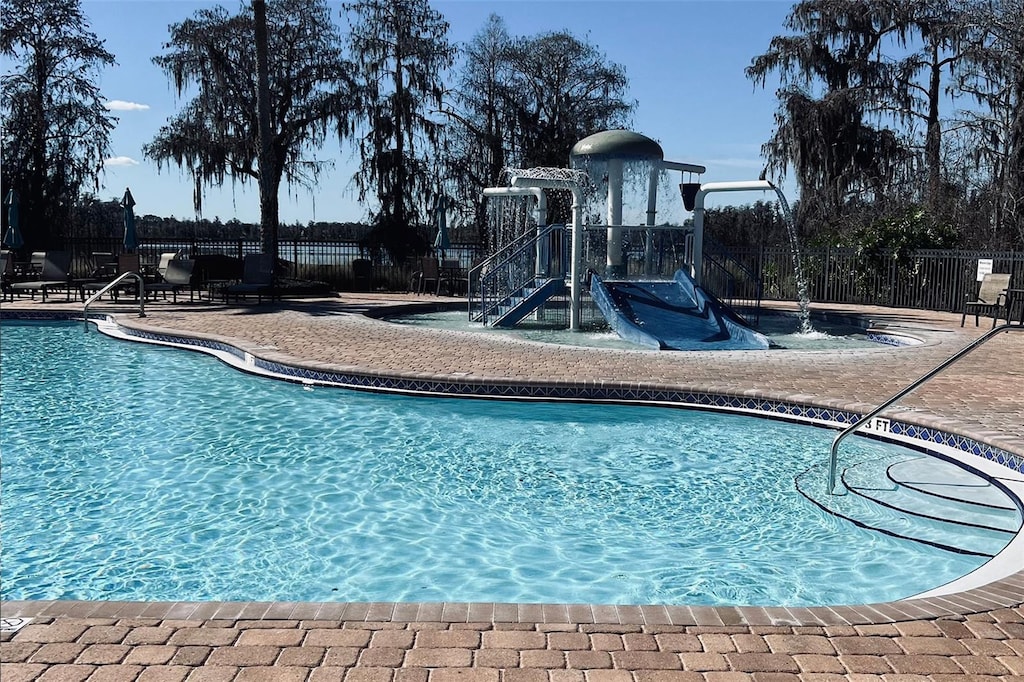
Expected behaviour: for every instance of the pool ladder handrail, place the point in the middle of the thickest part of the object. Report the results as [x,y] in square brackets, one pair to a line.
[905,391]
[120,278]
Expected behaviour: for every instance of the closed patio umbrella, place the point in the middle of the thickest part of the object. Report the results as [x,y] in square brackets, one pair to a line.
[12,238]
[441,242]
[131,237]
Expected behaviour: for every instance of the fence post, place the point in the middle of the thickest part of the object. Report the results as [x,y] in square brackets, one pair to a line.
[892,280]
[828,273]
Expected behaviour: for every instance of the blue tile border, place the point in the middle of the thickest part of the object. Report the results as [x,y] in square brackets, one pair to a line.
[42,315]
[890,339]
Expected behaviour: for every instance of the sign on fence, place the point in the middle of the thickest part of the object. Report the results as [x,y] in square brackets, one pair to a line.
[984,268]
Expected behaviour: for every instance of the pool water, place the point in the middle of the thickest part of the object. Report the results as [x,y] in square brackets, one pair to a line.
[783,331]
[136,472]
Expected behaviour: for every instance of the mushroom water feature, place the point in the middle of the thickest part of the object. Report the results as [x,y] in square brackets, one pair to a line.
[610,151]
[646,306]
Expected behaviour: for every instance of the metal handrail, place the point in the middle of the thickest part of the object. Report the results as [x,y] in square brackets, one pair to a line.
[501,262]
[120,278]
[889,401]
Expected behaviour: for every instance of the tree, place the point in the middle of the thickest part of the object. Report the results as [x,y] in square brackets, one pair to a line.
[867,86]
[564,89]
[918,88]
[402,49]
[759,224]
[831,74]
[56,130]
[993,78]
[217,135]
[525,101]
[265,158]
[479,137]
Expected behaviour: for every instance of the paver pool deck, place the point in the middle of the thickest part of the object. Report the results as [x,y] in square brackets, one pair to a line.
[978,634]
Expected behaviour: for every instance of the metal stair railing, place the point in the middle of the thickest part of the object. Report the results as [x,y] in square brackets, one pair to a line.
[834,454]
[111,285]
[506,272]
[740,282]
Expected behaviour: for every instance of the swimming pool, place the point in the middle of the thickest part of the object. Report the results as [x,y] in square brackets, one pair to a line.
[137,472]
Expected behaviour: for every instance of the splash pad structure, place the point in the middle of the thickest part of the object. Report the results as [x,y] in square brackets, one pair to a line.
[648,306]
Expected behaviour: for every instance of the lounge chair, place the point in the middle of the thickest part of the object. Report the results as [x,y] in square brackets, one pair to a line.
[164,262]
[257,279]
[6,272]
[213,272]
[176,277]
[53,272]
[991,299]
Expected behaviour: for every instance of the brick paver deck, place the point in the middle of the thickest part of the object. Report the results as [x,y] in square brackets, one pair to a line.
[975,636]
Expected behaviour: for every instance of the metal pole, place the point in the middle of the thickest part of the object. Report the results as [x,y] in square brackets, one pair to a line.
[652,214]
[613,267]
[833,456]
[697,255]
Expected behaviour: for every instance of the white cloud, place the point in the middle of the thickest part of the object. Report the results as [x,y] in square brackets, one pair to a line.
[120,161]
[121,105]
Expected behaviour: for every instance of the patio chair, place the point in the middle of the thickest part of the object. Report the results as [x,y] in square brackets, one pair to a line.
[362,273]
[53,270]
[991,299]
[126,262]
[470,278]
[429,271]
[176,277]
[104,265]
[451,274]
[257,279]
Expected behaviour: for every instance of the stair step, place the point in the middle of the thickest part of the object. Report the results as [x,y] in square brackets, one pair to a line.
[945,480]
[940,532]
[517,306]
[873,480]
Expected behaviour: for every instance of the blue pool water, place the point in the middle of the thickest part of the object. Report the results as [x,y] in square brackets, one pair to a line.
[134,472]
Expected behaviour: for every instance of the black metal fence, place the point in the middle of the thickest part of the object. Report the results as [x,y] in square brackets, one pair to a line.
[331,262]
[933,280]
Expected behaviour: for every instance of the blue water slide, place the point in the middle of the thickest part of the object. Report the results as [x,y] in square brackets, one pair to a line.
[671,314]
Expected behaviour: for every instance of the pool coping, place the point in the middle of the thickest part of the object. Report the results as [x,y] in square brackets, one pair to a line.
[1006,592]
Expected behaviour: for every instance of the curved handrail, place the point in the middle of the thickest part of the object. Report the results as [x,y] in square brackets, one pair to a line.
[914,385]
[120,278]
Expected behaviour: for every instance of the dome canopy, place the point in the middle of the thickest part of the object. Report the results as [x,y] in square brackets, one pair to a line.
[618,144]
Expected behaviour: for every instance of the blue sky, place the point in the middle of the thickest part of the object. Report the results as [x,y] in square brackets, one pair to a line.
[684,60]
